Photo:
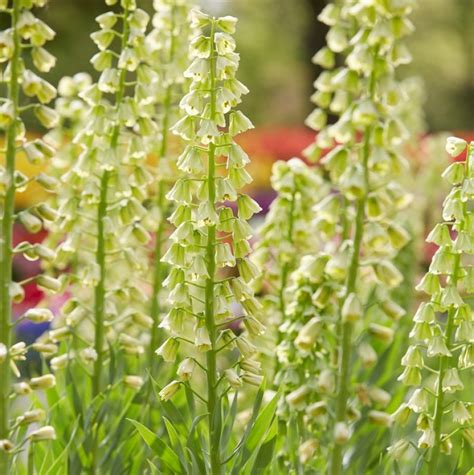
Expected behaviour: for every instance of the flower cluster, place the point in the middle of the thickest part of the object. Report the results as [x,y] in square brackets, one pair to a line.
[438,363]
[168,45]
[101,212]
[210,237]
[285,235]
[21,44]
[342,295]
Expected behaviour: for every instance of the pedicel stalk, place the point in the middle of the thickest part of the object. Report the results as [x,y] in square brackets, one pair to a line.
[22,42]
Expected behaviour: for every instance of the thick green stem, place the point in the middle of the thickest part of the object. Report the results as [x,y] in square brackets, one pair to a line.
[31,460]
[6,253]
[345,348]
[99,297]
[438,414]
[213,400]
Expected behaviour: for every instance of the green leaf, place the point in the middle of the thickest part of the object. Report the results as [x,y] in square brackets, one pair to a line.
[166,455]
[265,454]
[257,430]
[261,425]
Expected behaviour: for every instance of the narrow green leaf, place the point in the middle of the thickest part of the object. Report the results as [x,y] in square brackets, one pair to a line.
[166,455]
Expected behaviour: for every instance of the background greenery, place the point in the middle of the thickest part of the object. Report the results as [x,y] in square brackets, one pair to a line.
[277,38]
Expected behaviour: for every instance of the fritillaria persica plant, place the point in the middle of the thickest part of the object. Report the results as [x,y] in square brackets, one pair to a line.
[21,44]
[342,313]
[439,359]
[211,238]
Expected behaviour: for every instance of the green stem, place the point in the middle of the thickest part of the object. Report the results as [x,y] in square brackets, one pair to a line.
[438,414]
[213,400]
[6,253]
[99,296]
[31,460]
[343,379]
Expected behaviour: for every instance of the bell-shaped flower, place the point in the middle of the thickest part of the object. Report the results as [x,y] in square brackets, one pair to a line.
[451,381]
[185,369]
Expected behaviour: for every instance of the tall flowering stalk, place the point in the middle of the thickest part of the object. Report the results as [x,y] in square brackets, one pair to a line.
[168,44]
[285,237]
[342,305]
[101,215]
[210,237]
[439,362]
[103,210]
[25,36]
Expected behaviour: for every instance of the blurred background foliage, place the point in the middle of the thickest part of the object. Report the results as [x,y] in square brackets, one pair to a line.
[277,38]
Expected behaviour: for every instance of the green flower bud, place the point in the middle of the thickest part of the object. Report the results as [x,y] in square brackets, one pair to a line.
[43,433]
[418,402]
[380,418]
[31,417]
[429,284]
[48,283]
[169,390]
[43,382]
[367,355]
[252,379]
[235,381]
[39,315]
[440,235]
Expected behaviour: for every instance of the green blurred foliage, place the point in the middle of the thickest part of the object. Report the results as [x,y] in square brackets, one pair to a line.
[276,40]
[443,55]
